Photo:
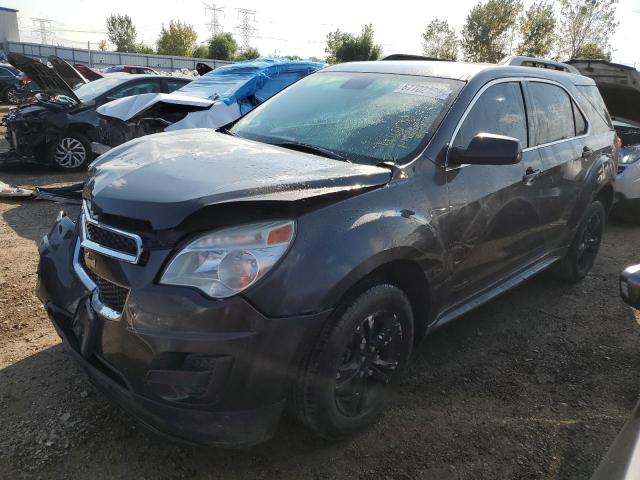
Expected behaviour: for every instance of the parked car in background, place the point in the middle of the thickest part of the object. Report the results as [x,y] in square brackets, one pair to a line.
[133,69]
[215,99]
[58,127]
[89,73]
[619,86]
[302,251]
[12,83]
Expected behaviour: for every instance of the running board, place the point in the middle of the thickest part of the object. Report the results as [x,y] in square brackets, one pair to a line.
[488,295]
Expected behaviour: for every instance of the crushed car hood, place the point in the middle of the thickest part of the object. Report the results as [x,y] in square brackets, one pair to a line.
[164,178]
[46,78]
[127,108]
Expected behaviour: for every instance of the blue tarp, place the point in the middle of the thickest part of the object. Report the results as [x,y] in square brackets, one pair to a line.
[262,77]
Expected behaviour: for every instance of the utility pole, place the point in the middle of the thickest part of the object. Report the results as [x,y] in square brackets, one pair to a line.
[42,26]
[246,28]
[215,11]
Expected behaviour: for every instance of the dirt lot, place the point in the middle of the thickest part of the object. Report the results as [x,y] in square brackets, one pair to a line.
[534,385]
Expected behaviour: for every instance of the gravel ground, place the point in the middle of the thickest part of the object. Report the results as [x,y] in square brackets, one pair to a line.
[534,385]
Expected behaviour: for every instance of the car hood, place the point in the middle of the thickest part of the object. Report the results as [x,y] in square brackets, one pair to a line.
[69,74]
[618,84]
[127,108]
[46,78]
[164,178]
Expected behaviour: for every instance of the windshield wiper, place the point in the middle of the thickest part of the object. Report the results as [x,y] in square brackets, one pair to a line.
[305,147]
[226,131]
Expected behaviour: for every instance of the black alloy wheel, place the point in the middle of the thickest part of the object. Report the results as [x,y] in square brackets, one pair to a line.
[368,364]
[360,354]
[582,253]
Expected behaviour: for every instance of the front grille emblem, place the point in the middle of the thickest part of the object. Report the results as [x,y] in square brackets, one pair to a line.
[89,259]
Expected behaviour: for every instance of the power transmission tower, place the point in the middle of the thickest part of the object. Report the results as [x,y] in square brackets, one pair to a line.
[43,27]
[215,11]
[246,28]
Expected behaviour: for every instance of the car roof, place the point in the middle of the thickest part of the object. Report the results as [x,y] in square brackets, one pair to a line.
[457,70]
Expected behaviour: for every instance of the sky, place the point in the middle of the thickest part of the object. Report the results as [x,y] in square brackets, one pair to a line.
[283,27]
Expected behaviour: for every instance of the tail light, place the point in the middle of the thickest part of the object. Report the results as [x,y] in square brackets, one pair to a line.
[618,142]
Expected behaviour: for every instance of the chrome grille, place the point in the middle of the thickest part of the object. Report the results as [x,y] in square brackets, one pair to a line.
[109,241]
[112,295]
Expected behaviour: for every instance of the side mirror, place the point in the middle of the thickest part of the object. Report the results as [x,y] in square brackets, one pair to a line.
[630,286]
[487,149]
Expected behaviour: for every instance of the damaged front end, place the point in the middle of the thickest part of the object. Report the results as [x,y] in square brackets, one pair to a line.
[192,363]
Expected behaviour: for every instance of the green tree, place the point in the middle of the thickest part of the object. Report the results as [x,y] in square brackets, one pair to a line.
[143,48]
[248,54]
[593,51]
[103,46]
[201,51]
[121,32]
[346,47]
[489,29]
[223,46]
[537,29]
[439,40]
[586,21]
[293,57]
[179,39]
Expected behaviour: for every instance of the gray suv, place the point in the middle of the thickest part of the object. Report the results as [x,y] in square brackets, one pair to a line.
[295,257]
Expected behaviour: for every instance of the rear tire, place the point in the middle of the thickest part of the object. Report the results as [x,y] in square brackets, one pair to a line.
[582,253]
[360,354]
[72,152]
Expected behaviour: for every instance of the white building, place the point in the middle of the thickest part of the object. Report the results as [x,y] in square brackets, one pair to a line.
[9,25]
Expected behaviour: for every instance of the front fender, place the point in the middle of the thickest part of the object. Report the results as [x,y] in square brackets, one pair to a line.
[340,244]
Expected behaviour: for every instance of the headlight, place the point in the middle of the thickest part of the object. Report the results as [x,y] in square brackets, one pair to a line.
[225,262]
[630,155]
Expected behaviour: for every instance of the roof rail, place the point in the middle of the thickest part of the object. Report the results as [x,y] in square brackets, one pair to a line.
[519,61]
[407,56]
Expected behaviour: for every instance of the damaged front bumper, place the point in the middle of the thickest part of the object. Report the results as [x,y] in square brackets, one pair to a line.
[198,370]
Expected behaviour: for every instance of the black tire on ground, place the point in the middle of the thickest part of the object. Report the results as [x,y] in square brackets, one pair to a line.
[71,152]
[582,253]
[360,354]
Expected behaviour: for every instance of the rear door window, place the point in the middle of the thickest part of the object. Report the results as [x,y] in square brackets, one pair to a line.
[174,84]
[146,86]
[552,113]
[499,110]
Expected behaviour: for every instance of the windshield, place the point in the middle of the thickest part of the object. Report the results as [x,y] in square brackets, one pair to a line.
[364,117]
[90,91]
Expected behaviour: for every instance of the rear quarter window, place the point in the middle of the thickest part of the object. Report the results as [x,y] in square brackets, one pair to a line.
[595,108]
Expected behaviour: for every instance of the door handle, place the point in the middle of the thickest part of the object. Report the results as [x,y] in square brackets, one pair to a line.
[530,176]
[586,152]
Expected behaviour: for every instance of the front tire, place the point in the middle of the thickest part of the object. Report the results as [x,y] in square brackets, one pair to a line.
[72,152]
[582,253]
[361,353]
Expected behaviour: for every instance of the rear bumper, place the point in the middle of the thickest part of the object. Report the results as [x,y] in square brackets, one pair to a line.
[195,369]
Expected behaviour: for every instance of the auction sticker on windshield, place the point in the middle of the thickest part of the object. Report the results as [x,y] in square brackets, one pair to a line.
[431,91]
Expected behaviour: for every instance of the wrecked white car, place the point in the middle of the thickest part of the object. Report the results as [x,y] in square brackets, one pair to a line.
[217,98]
